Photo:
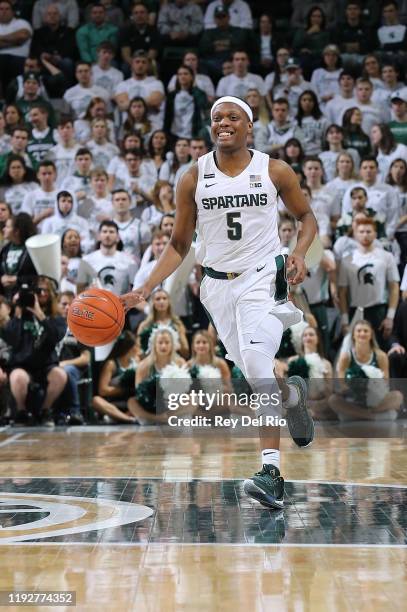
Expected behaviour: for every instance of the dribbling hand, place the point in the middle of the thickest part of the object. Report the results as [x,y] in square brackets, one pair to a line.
[296,269]
[130,300]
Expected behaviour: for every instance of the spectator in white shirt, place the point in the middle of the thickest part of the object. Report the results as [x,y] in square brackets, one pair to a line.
[312,123]
[344,175]
[371,113]
[382,198]
[177,163]
[113,268]
[336,107]
[385,148]
[144,86]
[294,86]
[371,69]
[79,181]
[15,36]
[333,145]
[63,153]
[40,203]
[134,233]
[136,180]
[96,206]
[390,80]
[66,218]
[104,75]
[272,138]
[325,80]
[278,76]
[97,109]
[239,11]
[101,148]
[241,80]
[203,81]
[79,96]
[397,178]
[324,203]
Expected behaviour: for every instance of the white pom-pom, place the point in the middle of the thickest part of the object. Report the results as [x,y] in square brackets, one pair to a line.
[175,379]
[208,371]
[377,388]
[296,335]
[372,371]
[317,367]
[317,371]
[208,376]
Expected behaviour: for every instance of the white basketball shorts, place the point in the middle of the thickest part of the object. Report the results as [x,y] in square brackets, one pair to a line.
[238,306]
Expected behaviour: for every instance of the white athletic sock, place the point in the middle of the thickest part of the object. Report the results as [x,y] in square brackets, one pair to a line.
[293,397]
[270,456]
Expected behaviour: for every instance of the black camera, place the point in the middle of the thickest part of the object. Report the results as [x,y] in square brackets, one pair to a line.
[26,296]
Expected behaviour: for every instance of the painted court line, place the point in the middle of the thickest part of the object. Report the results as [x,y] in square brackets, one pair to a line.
[207,479]
[217,544]
[11,439]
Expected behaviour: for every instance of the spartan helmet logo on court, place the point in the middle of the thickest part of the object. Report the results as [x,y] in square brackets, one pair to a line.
[25,516]
[106,276]
[367,277]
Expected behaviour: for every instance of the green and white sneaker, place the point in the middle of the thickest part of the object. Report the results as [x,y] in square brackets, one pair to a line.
[266,487]
[299,419]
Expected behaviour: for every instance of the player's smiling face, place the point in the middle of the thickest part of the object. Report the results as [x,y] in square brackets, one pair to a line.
[230,126]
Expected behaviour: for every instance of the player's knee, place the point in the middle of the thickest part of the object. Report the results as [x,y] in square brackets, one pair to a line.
[257,365]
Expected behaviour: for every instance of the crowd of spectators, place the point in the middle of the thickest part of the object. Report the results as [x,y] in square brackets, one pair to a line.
[105,105]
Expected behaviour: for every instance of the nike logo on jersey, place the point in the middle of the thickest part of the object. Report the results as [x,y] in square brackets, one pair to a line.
[260,269]
[211,185]
[251,342]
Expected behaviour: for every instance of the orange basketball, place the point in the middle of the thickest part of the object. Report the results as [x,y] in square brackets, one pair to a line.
[96,317]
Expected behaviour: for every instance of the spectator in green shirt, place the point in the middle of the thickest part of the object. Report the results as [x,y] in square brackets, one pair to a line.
[18,144]
[31,97]
[89,36]
[398,125]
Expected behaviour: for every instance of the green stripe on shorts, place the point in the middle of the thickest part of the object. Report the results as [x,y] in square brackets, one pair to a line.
[281,293]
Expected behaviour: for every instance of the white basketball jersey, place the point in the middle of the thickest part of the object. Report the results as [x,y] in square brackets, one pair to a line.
[237,216]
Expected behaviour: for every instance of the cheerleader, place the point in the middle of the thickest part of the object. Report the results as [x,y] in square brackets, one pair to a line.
[116,381]
[204,364]
[162,364]
[311,365]
[361,398]
[161,314]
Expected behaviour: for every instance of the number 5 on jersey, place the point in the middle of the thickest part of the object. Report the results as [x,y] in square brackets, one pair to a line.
[235,228]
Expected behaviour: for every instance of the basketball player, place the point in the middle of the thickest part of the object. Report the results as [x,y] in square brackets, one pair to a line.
[230,196]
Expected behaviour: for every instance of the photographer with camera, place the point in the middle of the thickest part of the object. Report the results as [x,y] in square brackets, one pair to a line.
[32,334]
[16,267]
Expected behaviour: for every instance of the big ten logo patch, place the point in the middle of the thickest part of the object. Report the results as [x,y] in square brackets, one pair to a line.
[255,181]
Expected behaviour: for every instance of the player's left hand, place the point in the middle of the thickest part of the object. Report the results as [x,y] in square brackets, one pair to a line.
[296,269]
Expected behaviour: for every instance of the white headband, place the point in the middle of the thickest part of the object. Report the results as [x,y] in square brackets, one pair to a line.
[243,105]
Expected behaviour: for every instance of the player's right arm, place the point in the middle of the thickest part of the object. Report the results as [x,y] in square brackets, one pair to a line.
[180,241]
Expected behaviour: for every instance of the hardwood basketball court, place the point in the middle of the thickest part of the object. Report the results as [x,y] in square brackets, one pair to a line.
[131,519]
